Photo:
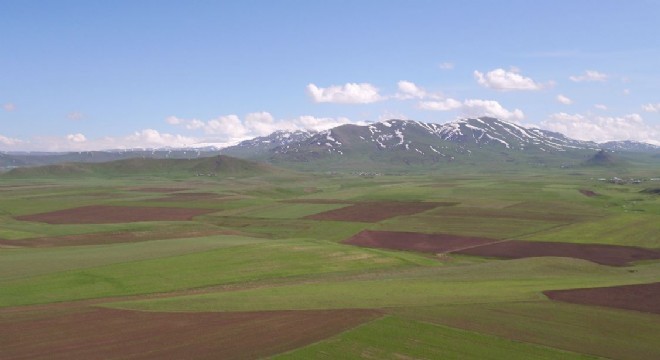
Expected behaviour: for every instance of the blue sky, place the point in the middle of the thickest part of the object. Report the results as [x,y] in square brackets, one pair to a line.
[79,75]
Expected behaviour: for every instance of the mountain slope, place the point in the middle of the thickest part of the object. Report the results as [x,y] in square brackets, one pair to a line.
[221,165]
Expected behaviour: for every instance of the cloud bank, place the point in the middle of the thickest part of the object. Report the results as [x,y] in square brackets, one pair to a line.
[350,93]
[500,79]
[603,128]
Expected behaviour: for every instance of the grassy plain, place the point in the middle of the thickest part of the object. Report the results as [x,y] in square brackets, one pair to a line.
[256,251]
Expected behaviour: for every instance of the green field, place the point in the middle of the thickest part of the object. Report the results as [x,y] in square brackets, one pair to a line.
[256,252]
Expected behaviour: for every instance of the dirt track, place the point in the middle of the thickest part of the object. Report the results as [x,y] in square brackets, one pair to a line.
[103,214]
[374,211]
[644,297]
[97,333]
[508,249]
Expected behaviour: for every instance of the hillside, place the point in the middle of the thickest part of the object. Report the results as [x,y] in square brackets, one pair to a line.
[220,165]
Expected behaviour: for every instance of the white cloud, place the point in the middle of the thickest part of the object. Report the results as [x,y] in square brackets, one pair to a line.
[446,65]
[500,79]
[601,107]
[147,138]
[7,141]
[228,126]
[564,100]
[261,123]
[589,76]
[9,106]
[350,93]
[410,90]
[389,115]
[441,105]
[474,108]
[603,128]
[75,116]
[626,91]
[651,107]
[314,123]
[231,129]
[152,138]
[173,120]
[76,138]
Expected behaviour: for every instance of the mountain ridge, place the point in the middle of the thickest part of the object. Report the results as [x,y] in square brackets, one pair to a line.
[392,141]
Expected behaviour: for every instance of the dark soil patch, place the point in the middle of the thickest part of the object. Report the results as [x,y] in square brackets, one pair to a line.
[510,213]
[110,238]
[588,193]
[374,211]
[612,255]
[653,191]
[428,243]
[102,214]
[643,297]
[95,333]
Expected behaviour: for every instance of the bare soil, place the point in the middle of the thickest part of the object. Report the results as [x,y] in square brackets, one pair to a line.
[428,243]
[103,214]
[374,211]
[643,297]
[588,193]
[612,255]
[97,333]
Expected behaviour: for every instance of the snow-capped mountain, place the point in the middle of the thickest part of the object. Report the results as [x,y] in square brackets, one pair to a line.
[458,137]
[477,141]
[418,142]
[262,145]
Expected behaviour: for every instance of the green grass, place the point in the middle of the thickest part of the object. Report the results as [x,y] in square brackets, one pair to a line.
[584,329]
[397,338]
[23,263]
[11,229]
[501,281]
[214,267]
[630,229]
[448,307]
[489,227]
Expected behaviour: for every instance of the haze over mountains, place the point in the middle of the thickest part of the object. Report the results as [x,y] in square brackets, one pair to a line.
[408,142]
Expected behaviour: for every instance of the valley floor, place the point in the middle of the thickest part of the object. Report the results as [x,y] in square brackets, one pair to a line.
[307,266]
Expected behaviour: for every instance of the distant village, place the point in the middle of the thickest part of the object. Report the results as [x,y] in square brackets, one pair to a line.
[620,181]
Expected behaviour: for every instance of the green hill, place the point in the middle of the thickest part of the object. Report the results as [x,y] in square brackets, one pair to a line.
[221,166]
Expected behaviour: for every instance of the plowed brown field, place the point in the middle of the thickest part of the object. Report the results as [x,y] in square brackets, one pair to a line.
[431,243]
[96,333]
[612,255]
[643,297]
[374,211]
